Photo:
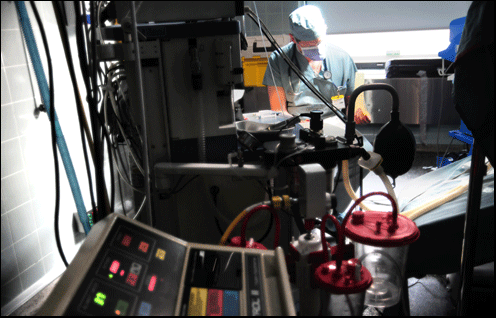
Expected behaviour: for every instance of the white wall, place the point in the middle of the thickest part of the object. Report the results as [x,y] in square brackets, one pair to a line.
[382,46]
[30,259]
[381,16]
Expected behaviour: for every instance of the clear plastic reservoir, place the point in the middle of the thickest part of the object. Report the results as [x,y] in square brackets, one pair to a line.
[343,305]
[387,267]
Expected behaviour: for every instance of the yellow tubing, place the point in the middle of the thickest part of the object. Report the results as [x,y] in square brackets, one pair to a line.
[232,226]
[388,186]
[235,222]
[347,184]
[448,196]
[413,213]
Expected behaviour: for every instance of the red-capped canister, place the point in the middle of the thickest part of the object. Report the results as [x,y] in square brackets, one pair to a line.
[381,243]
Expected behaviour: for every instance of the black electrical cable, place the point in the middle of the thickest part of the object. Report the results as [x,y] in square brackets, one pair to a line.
[52,121]
[184,186]
[378,311]
[336,180]
[101,119]
[106,137]
[70,64]
[91,99]
[418,281]
[300,224]
[116,149]
[96,126]
[444,156]
[214,195]
[268,229]
[122,196]
[218,226]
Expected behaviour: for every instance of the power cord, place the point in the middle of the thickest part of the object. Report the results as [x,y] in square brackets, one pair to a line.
[418,281]
[91,98]
[79,107]
[54,145]
[214,191]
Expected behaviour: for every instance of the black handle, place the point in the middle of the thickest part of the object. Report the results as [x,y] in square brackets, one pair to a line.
[350,125]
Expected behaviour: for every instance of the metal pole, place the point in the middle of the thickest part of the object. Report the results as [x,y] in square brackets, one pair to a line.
[477,171]
[141,99]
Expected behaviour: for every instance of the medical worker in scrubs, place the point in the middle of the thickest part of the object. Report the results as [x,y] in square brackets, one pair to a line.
[329,68]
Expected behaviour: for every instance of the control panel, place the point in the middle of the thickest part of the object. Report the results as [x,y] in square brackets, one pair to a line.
[127,268]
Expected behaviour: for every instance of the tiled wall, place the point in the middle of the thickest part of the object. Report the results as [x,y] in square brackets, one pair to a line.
[29,252]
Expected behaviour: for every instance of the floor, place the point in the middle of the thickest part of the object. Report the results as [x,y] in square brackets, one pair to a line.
[428,295]
[34,304]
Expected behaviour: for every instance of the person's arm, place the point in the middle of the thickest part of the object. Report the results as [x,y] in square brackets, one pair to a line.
[277,99]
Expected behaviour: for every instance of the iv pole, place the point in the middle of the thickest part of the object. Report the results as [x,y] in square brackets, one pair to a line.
[477,171]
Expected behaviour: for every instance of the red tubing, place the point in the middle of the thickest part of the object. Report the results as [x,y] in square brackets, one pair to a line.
[248,216]
[339,229]
[357,202]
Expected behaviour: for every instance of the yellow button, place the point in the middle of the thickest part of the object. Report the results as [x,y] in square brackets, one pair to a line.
[197,302]
[160,254]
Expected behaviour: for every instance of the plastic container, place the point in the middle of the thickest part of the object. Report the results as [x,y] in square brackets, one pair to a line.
[345,304]
[254,59]
[304,252]
[345,282]
[381,244]
[387,267]
[254,71]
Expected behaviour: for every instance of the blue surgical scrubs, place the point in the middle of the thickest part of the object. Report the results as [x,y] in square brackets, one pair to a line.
[337,76]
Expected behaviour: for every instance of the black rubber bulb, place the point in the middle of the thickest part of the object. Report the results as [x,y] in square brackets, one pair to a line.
[394,142]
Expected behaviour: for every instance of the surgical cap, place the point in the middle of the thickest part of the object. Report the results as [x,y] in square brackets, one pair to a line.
[307,24]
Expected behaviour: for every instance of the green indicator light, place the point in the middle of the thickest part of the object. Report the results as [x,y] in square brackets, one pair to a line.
[111,276]
[100,298]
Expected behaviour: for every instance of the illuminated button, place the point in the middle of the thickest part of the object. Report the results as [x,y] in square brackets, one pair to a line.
[144,309]
[131,279]
[126,240]
[115,266]
[121,308]
[153,282]
[122,272]
[100,298]
[144,247]
[160,254]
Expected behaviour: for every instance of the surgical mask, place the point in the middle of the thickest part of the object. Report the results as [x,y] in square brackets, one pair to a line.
[313,53]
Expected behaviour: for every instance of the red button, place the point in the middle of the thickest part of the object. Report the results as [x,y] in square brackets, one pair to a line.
[131,279]
[114,267]
[126,240]
[144,247]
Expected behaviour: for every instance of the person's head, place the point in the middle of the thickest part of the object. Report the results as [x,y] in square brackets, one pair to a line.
[307,30]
